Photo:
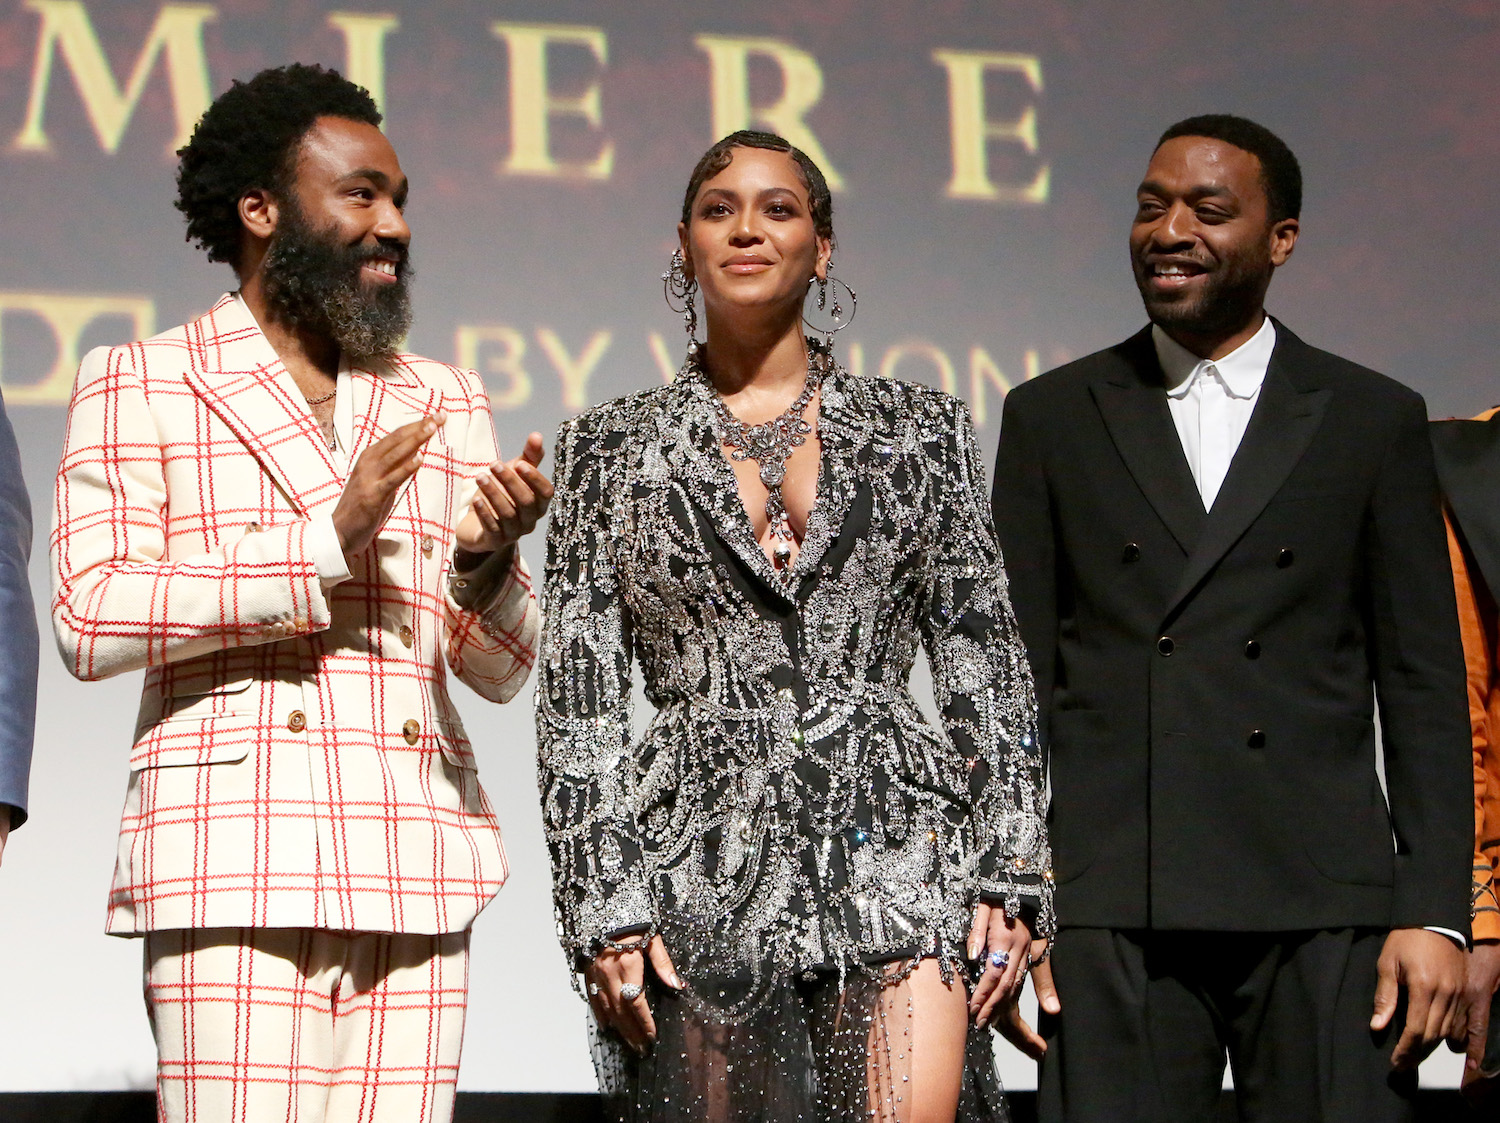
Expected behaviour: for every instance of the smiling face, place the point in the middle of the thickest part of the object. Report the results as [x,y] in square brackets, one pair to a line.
[751,243]
[338,262]
[1203,246]
[349,185]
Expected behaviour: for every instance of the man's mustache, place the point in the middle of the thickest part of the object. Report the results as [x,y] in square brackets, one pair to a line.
[383,248]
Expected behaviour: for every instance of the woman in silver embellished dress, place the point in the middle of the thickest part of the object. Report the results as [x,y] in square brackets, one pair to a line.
[777,894]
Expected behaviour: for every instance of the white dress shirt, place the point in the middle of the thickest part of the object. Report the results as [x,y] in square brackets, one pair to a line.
[1211,401]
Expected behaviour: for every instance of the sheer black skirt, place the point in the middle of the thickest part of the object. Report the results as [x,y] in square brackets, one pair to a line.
[824,1049]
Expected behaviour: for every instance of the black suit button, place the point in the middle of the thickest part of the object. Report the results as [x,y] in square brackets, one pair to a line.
[1285,559]
[1257,739]
[1252,650]
[1166,645]
[1131,553]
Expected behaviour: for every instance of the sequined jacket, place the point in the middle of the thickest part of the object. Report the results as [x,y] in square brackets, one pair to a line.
[788,806]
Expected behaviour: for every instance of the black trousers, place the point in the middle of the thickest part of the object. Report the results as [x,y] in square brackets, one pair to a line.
[1148,1019]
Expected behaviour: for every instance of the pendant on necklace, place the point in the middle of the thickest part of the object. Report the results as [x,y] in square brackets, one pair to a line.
[770,445]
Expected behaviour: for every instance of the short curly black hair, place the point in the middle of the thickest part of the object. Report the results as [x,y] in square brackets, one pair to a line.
[248,138]
[1280,174]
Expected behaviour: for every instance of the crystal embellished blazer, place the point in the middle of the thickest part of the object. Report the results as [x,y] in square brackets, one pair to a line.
[297,761]
[788,807]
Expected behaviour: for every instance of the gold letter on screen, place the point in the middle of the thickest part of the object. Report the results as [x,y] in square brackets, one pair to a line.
[66,30]
[364,48]
[532,104]
[67,315]
[972,131]
[802,87]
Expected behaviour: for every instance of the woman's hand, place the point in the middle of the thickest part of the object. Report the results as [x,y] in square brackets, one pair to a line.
[609,972]
[1016,1029]
[1004,942]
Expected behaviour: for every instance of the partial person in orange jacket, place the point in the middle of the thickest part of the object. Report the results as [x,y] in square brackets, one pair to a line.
[1468,461]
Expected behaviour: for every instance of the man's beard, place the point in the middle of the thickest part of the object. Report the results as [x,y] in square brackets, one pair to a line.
[312,281]
[1231,296]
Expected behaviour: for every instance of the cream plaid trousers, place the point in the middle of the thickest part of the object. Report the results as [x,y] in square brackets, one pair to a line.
[303,1025]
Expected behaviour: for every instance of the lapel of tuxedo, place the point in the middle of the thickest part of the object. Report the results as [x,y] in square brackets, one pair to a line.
[1132,400]
[237,373]
[1287,414]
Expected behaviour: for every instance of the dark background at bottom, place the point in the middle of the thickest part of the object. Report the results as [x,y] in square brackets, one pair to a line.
[517,1107]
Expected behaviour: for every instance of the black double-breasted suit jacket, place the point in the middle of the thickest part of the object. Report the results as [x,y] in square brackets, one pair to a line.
[1205,677]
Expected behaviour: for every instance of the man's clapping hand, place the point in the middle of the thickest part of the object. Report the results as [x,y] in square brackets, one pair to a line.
[376,480]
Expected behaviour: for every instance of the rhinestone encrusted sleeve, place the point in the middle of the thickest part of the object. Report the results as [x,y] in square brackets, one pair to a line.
[982,684]
[583,710]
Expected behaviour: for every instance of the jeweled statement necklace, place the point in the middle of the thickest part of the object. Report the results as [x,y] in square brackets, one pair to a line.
[769,444]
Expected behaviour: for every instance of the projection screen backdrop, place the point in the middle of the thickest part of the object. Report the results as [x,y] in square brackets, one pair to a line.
[984,156]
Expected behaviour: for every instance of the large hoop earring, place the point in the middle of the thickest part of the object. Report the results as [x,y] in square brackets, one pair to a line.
[679,290]
[830,303]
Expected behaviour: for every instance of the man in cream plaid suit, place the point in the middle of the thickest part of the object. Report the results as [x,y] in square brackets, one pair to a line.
[297,531]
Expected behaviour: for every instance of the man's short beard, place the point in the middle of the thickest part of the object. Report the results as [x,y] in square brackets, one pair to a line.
[312,281]
[1227,303]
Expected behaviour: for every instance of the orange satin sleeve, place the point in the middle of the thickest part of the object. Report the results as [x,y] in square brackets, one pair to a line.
[1477,617]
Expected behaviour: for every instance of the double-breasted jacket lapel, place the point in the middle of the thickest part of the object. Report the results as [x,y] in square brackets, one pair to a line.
[704,475]
[1290,409]
[1467,453]
[1133,403]
[1132,400]
[386,398]
[238,374]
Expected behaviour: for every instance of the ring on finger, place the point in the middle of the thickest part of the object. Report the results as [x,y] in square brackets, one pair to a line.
[593,990]
[1000,959]
[630,991]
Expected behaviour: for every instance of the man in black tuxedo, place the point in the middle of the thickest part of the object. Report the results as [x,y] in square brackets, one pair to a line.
[1218,540]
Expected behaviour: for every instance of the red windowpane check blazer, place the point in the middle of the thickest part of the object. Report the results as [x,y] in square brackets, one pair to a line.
[297,761]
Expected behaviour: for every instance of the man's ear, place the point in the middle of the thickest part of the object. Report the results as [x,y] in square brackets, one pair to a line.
[259,212]
[1283,240]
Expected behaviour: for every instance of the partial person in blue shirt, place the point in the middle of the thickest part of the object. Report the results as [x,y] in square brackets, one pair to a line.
[18,627]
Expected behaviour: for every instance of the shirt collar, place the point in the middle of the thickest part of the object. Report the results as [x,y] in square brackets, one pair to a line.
[1242,370]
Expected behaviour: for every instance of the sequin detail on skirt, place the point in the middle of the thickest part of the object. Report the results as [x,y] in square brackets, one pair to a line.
[821,1050]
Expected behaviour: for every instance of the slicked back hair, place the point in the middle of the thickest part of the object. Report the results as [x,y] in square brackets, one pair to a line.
[717,158]
[249,138]
[1279,171]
